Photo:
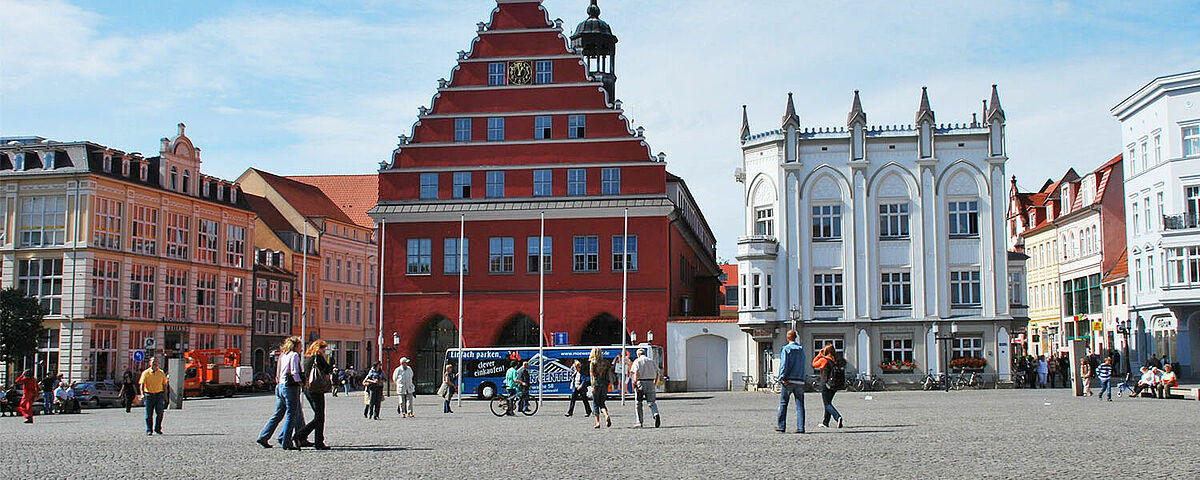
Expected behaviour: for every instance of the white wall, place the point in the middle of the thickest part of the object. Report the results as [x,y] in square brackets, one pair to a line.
[678,334]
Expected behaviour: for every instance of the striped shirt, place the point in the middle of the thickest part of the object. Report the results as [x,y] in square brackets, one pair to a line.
[1104,372]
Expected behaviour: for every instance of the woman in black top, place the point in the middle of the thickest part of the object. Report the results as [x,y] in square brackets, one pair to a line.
[316,375]
[601,371]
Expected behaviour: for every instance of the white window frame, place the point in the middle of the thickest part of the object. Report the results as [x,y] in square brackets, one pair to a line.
[965,288]
[576,182]
[450,255]
[501,255]
[828,291]
[419,256]
[764,221]
[618,245]
[893,220]
[543,127]
[895,289]
[586,253]
[429,186]
[576,126]
[827,222]
[543,187]
[532,252]
[960,211]
[462,129]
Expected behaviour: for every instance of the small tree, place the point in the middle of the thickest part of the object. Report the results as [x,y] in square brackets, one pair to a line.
[20,325]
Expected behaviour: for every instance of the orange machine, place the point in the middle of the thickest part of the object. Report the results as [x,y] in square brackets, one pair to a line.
[212,372]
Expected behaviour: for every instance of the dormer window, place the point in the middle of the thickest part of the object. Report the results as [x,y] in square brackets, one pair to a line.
[1066,197]
[143,171]
[125,167]
[232,195]
[220,192]
[174,179]
[187,180]
[19,161]
[108,164]
[1032,219]
[204,188]
[49,163]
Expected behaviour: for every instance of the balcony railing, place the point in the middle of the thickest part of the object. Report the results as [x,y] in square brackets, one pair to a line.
[757,246]
[1181,221]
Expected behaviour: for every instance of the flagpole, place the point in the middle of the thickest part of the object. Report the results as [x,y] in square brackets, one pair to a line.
[624,296]
[304,283]
[541,304]
[382,254]
[462,227]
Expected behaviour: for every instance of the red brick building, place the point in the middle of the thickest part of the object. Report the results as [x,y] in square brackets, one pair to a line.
[527,125]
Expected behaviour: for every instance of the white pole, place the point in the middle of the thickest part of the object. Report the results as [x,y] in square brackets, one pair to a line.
[462,228]
[382,253]
[624,295]
[304,283]
[541,304]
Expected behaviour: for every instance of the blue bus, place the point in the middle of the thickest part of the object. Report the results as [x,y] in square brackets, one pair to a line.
[484,368]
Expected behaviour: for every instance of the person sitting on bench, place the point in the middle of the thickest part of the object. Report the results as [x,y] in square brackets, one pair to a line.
[1148,383]
[1167,381]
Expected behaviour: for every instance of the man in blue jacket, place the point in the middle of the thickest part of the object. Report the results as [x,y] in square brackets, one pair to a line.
[791,376]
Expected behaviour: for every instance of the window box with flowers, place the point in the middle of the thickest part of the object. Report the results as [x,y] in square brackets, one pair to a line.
[897,366]
[968,364]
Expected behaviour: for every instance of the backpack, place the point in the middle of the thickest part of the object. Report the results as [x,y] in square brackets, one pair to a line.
[835,376]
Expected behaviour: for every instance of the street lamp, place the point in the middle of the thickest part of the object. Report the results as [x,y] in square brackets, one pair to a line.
[649,336]
[633,337]
[794,314]
[388,362]
[1124,328]
[946,338]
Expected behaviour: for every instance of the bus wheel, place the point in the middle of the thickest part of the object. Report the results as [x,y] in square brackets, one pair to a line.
[487,391]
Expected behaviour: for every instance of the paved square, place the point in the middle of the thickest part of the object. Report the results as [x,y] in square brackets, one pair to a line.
[968,434]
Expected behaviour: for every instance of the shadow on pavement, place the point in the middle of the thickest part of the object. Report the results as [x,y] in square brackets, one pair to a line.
[377,448]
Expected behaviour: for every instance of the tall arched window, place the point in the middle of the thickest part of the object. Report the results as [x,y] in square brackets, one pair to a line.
[174,178]
[186,181]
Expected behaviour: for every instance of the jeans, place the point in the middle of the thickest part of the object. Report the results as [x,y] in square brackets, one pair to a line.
[830,412]
[1105,386]
[376,394]
[645,392]
[599,396]
[47,403]
[580,394]
[446,406]
[795,389]
[316,427]
[155,403]
[406,403]
[287,406]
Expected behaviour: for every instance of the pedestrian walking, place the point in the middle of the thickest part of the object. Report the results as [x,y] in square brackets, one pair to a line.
[791,376]
[153,383]
[578,390]
[50,381]
[402,377]
[1085,374]
[644,375]
[29,387]
[1043,370]
[833,378]
[348,378]
[373,391]
[316,374]
[448,388]
[1064,369]
[128,390]
[289,376]
[335,378]
[1031,367]
[1104,374]
[602,376]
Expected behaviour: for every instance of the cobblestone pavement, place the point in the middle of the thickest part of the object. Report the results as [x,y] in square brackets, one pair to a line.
[968,434]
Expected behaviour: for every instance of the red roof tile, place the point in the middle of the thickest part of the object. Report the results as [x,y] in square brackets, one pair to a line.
[310,201]
[1120,269]
[353,194]
[268,213]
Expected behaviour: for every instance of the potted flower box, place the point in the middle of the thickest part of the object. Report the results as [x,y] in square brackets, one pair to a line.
[897,367]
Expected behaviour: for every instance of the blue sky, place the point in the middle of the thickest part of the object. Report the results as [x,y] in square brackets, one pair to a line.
[326,86]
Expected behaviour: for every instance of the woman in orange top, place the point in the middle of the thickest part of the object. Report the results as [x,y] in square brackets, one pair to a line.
[825,361]
[29,388]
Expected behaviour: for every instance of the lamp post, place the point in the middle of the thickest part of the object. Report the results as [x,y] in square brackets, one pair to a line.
[650,336]
[1123,328]
[794,315]
[388,362]
[633,337]
[945,338]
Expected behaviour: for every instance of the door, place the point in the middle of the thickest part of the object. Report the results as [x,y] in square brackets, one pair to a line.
[707,363]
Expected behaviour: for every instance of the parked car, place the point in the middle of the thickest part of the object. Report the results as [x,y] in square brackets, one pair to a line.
[97,394]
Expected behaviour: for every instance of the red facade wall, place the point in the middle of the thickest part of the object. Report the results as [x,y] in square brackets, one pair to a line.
[635,180]
[441,130]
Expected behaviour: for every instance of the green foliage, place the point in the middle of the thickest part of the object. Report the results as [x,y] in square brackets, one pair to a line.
[20,325]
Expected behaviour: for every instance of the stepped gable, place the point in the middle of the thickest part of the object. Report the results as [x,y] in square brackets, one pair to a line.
[519,32]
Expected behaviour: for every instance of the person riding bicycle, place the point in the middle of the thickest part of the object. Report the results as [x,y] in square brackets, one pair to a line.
[510,383]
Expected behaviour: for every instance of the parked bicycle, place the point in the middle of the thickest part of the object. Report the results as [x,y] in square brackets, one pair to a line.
[864,382]
[971,380]
[773,384]
[935,382]
[502,404]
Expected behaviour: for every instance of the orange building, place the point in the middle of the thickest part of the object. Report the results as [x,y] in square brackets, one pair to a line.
[125,253]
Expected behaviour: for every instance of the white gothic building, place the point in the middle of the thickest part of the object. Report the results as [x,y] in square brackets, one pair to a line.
[878,239]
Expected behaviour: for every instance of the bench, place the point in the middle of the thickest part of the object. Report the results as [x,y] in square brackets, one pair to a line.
[1183,392]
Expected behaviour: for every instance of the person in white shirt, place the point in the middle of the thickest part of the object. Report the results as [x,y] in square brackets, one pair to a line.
[402,376]
[289,377]
[1148,382]
[62,393]
[644,374]
[578,390]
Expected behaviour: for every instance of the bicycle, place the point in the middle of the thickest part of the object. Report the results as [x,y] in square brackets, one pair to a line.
[938,382]
[973,379]
[502,404]
[865,383]
[747,381]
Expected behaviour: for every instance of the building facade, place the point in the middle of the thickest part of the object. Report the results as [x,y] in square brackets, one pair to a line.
[120,248]
[1031,223]
[1160,134]
[527,127]
[877,238]
[336,290]
[273,309]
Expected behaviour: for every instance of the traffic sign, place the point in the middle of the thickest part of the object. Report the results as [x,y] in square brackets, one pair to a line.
[149,343]
[139,355]
[560,338]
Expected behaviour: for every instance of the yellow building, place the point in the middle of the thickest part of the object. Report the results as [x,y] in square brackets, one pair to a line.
[124,252]
[1034,214]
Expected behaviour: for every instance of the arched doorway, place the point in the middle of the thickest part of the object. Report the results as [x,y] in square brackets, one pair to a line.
[707,363]
[438,336]
[520,331]
[260,360]
[604,329]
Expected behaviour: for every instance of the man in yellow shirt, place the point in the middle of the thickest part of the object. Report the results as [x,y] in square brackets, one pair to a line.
[153,384]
